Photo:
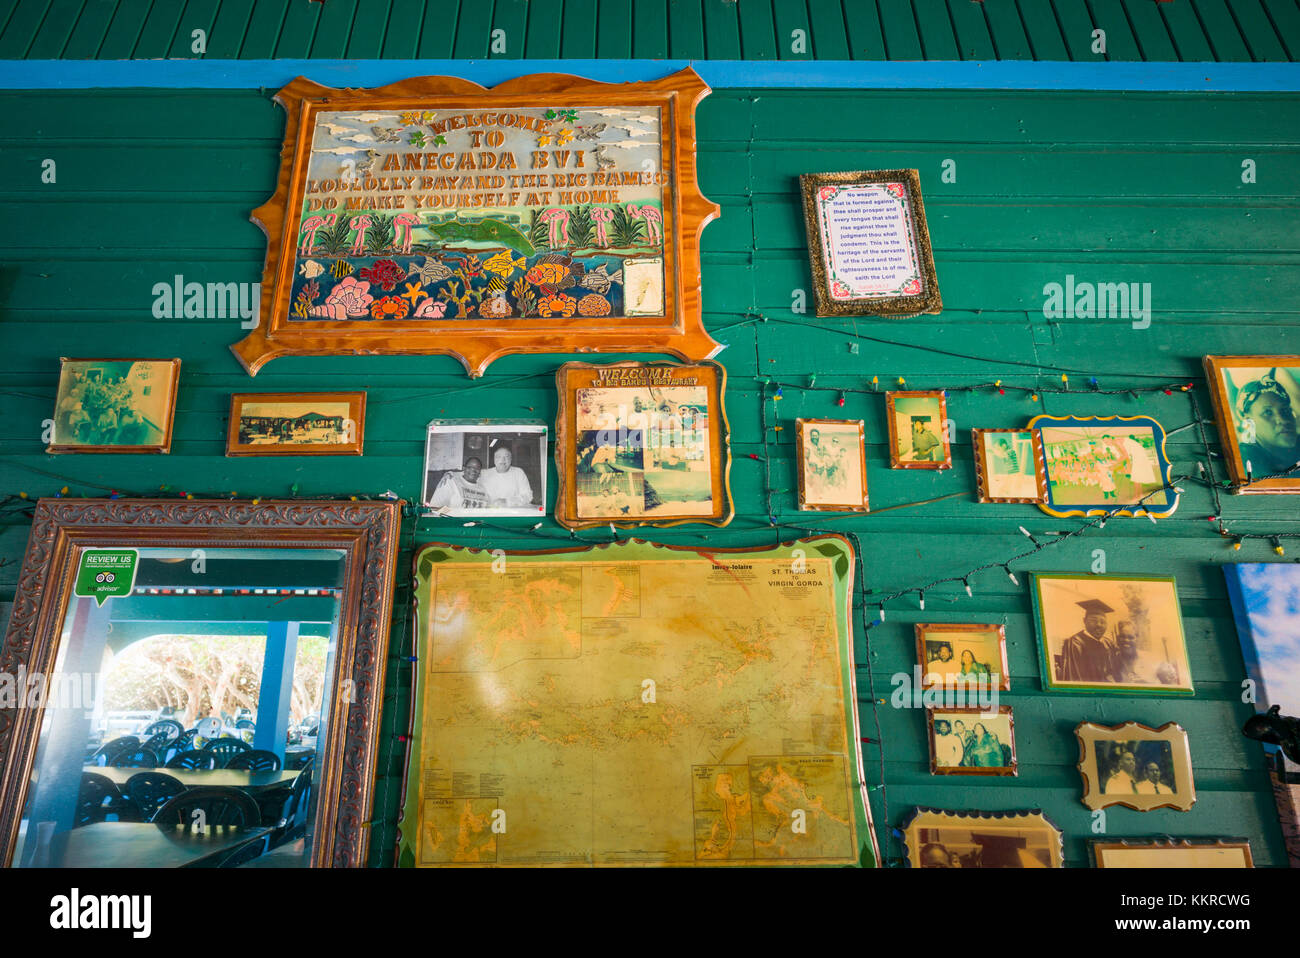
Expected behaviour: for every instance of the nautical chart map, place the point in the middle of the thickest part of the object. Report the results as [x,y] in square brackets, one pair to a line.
[635,705]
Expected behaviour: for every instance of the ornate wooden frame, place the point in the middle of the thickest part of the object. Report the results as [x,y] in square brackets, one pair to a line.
[1090,733]
[799,426]
[368,532]
[356,413]
[1089,509]
[1099,847]
[923,629]
[573,376]
[937,769]
[942,818]
[982,466]
[900,307]
[477,342]
[163,447]
[894,461]
[1242,478]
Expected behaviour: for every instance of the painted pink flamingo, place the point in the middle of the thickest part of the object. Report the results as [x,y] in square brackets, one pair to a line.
[602,216]
[558,220]
[403,222]
[653,219]
[310,227]
[360,224]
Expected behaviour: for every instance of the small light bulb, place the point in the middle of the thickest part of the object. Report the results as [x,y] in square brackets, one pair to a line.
[882,613]
[922,601]
[1012,576]
[968,591]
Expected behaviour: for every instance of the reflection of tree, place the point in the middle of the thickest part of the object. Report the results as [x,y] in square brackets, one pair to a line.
[199,675]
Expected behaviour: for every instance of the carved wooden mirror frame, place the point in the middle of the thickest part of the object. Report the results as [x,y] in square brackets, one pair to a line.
[366,532]
[474,340]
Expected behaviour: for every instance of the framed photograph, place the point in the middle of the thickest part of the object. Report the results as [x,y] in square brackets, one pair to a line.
[1256,404]
[933,838]
[918,432]
[115,405]
[832,463]
[1009,465]
[482,468]
[547,214]
[972,741]
[963,655]
[642,443]
[1096,464]
[1110,633]
[1135,766]
[1171,853]
[296,424]
[868,244]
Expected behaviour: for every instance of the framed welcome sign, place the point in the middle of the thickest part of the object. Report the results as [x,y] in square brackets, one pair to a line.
[548,214]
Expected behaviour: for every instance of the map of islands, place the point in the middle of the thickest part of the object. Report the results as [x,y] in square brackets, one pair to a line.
[636,705]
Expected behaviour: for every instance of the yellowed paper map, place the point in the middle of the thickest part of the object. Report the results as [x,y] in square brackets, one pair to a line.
[688,710]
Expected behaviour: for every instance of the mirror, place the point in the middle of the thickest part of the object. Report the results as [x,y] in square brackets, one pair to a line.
[195,684]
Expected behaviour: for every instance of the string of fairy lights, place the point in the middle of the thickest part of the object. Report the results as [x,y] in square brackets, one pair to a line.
[771,391]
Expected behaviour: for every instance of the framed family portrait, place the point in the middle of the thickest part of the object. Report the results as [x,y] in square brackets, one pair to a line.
[868,244]
[642,443]
[433,215]
[933,838]
[484,468]
[1256,404]
[296,424]
[1009,465]
[1104,633]
[1171,853]
[972,741]
[963,655]
[115,405]
[1135,766]
[1097,465]
[918,430]
[832,465]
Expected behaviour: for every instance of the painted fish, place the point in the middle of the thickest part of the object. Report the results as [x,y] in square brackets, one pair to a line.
[496,285]
[341,268]
[551,272]
[431,272]
[599,280]
[504,263]
[483,231]
[311,269]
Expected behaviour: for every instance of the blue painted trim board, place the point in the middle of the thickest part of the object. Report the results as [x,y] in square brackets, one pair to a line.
[719,74]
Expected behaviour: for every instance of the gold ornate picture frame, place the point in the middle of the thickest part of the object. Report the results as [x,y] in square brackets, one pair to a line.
[642,444]
[296,424]
[1135,766]
[1009,465]
[1171,853]
[937,838]
[547,214]
[831,460]
[1256,402]
[868,244]
[364,533]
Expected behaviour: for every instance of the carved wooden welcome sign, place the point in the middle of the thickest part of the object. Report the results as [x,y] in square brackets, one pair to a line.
[547,214]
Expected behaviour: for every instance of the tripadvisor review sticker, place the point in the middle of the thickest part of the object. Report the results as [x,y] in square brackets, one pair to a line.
[105,573]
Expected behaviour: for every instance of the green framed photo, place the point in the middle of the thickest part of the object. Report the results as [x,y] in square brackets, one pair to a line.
[1110,633]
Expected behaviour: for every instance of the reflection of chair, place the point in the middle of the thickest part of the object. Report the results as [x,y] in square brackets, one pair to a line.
[194,761]
[171,727]
[181,743]
[245,723]
[135,758]
[97,798]
[109,750]
[200,808]
[256,760]
[150,790]
[299,759]
[246,854]
[158,743]
[225,749]
[293,823]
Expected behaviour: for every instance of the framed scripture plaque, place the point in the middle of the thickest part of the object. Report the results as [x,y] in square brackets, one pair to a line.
[642,444]
[547,214]
[868,244]
[596,707]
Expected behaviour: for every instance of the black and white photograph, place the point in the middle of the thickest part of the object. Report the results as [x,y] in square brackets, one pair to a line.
[481,468]
[1136,766]
[968,741]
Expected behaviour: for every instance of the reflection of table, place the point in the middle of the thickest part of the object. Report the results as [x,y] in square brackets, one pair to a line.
[198,778]
[290,855]
[135,845]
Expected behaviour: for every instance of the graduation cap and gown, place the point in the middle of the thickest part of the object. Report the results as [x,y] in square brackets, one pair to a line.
[1085,658]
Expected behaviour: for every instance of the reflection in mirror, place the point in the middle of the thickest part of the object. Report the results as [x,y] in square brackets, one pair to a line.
[182,720]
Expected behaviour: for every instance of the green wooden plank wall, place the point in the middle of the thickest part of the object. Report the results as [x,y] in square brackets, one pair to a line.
[1156,30]
[1107,187]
